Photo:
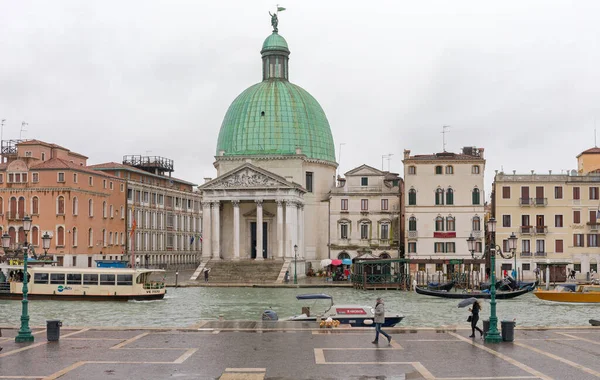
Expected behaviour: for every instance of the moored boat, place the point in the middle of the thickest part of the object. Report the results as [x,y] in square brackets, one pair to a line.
[72,283]
[353,315]
[438,286]
[475,294]
[580,294]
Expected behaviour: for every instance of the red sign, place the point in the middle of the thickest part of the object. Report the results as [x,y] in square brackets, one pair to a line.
[353,311]
[444,234]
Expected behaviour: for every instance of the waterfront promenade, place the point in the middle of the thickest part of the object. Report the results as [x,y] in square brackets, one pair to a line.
[236,350]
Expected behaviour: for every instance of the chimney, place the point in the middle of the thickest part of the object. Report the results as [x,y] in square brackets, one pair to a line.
[406,154]
[207,179]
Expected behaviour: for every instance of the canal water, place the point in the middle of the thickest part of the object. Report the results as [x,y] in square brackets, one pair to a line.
[184,307]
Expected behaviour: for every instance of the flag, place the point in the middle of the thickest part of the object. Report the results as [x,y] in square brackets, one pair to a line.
[134,224]
[191,240]
[200,237]
[280,9]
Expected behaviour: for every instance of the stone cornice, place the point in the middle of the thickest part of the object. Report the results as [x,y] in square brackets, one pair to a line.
[51,189]
[274,157]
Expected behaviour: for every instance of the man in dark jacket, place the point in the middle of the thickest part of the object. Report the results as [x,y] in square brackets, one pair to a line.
[379,321]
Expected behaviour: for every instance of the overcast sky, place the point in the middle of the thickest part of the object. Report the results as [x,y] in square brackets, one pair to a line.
[111,78]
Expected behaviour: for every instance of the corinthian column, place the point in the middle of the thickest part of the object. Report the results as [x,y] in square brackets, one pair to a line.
[206,231]
[290,228]
[259,229]
[236,230]
[280,229]
[216,231]
[300,230]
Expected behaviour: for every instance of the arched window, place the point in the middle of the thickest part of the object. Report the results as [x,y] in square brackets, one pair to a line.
[476,223]
[91,207]
[384,230]
[412,223]
[104,209]
[60,236]
[104,238]
[35,235]
[13,234]
[60,205]
[344,228]
[21,207]
[90,238]
[74,238]
[75,206]
[439,223]
[438,169]
[12,208]
[412,197]
[122,212]
[35,205]
[412,169]
[364,230]
[450,224]
[1,205]
[439,196]
[449,196]
[475,169]
[111,211]
[110,238]
[476,198]
[449,169]
[21,235]
[385,255]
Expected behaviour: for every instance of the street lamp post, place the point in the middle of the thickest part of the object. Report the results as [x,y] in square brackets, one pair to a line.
[493,335]
[295,264]
[24,334]
[46,243]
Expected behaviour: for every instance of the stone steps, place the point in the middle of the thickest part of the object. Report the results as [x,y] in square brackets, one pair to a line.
[243,271]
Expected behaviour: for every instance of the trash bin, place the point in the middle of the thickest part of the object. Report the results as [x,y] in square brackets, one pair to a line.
[53,330]
[508,331]
[486,326]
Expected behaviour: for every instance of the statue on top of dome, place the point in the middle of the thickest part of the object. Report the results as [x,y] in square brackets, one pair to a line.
[274,21]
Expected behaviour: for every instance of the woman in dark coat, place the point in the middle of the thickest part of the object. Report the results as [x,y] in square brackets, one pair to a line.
[475,318]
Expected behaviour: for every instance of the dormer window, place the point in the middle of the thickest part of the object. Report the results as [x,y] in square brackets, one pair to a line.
[43,156]
[364,181]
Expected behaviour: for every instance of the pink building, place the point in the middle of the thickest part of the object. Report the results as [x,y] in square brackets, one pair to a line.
[82,209]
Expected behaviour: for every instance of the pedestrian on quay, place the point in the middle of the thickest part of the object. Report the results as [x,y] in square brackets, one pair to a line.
[379,321]
[286,278]
[474,317]
[206,275]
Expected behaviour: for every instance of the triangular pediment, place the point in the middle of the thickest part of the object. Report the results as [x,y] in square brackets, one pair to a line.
[249,176]
[364,170]
[252,214]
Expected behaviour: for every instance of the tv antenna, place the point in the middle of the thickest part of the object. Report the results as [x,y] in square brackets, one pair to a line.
[444,131]
[340,157]
[23,124]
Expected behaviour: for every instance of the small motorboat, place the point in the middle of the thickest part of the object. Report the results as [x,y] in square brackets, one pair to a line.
[475,294]
[353,315]
[438,286]
[580,294]
[594,322]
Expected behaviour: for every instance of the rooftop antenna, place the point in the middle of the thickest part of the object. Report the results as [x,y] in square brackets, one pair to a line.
[444,131]
[1,138]
[23,124]
[595,145]
[340,158]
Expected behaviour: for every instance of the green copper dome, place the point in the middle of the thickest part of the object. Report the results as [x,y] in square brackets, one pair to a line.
[275,117]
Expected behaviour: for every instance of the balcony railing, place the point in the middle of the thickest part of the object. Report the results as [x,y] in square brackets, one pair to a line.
[541,201]
[525,254]
[540,254]
[525,201]
[541,230]
[413,234]
[593,226]
[526,230]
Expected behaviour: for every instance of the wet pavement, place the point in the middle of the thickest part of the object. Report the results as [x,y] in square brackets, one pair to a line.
[235,350]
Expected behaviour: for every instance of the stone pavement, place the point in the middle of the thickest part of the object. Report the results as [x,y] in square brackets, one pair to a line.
[235,350]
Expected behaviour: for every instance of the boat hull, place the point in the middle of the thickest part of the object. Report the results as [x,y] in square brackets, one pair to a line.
[353,321]
[79,297]
[484,295]
[573,297]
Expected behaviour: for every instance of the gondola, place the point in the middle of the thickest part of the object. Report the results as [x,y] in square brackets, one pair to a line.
[594,322]
[437,286]
[476,294]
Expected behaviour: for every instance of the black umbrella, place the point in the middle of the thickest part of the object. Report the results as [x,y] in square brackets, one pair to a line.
[467,302]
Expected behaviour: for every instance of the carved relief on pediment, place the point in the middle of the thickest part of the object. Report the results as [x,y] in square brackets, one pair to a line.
[246,178]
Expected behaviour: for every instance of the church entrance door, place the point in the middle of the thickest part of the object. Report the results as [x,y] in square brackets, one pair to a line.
[253,240]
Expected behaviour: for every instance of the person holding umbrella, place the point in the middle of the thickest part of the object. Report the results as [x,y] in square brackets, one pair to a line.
[474,317]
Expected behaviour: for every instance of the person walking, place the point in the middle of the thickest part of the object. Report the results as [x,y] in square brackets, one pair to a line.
[205,275]
[379,321]
[474,319]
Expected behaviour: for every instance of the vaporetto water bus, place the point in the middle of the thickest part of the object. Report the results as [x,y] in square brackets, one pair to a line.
[93,284]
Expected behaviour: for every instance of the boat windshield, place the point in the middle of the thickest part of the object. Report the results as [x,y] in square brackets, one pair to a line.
[562,289]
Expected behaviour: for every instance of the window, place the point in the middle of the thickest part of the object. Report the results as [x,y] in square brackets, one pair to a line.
[364,204]
[344,231]
[61,177]
[35,177]
[558,192]
[592,240]
[526,266]
[74,278]
[594,267]
[122,187]
[1,178]
[74,177]
[577,267]
[60,209]
[75,206]
[558,220]
[438,170]
[74,237]
[478,247]
[439,223]
[90,279]
[40,278]
[505,220]
[558,246]
[449,196]
[110,185]
[475,169]
[364,231]
[594,192]
[593,217]
[576,194]
[91,181]
[104,184]
[35,205]
[439,197]
[107,279]
[438,247]
[91,207]
[124,279]
[412,197]
[525,246]
[476,198]
[104,212]
[540,246]
[57,278]
[450,224]
[439,267]
[578,240]
[309,182]
[576,216]
[111,211]
[364,181]
[476,223]
[43,156]
[449,169]
[90,238]
[412,170]
[60,238]
[412,247]
[385,231]
[384,204]
[450,247]
[505,245]
[412,223]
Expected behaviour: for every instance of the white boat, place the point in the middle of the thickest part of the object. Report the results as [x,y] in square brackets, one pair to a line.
[353,315]
[72,283]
